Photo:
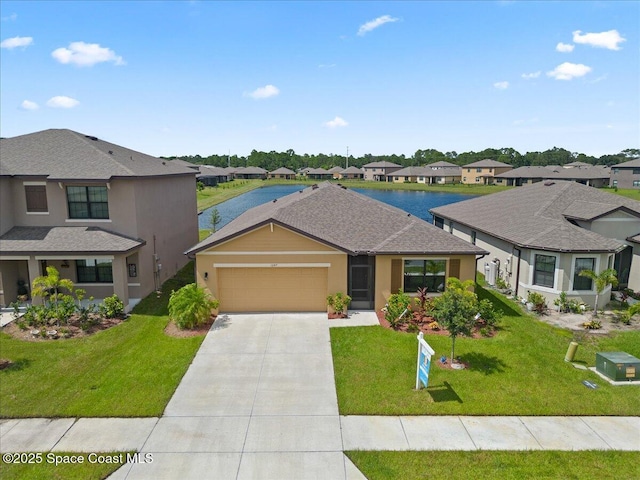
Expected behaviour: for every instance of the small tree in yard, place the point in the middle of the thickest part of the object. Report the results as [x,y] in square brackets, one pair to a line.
[455,309]
[215,219]
[602,280]
[191,306]
[50,287]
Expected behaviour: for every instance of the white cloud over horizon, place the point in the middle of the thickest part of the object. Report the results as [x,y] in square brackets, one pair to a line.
[373,24]
[529,76]
[261,93]
[62,101]
[10,18]
[565,47]
[336,122]
[15,42]
[569,71]
[86,55]
[608,40]
[501,85]
[29,105]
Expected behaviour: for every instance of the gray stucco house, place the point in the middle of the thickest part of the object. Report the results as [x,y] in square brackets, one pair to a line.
[541,236]
[111,219]
[626,175]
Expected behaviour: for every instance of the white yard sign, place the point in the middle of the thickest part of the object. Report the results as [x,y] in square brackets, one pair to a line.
[425,352]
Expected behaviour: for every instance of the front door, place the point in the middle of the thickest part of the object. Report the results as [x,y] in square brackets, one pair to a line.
[361,281]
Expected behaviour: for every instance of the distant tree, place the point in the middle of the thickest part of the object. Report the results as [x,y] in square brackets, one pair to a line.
[601,280]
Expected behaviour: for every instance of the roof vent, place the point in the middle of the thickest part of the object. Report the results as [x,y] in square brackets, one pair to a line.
[548,184]
[275,200]
[95,139]
[314,186]
[110,152]
[164,163]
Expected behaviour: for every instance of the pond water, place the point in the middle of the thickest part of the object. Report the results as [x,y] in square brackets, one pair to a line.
[416,203]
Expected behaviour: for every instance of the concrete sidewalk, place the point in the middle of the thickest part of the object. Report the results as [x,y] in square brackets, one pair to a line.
[259,401]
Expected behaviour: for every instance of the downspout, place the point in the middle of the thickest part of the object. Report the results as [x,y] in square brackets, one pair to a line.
[515,292]
[477,258]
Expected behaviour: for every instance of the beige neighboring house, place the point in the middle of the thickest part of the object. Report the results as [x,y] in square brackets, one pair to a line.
[335,172]
[634,272]
[351,173]
[319,174]
[378,171]
[541,236]
[111,219]
[626,175]
[427,175]
[289,254]
[283,173]
[483,171]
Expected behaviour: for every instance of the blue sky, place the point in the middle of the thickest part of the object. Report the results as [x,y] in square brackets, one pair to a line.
[203,77]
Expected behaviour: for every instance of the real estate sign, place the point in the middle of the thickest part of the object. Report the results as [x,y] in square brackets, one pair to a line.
[425,352]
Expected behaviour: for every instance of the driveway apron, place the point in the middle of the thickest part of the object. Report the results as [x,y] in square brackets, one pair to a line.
[258,402]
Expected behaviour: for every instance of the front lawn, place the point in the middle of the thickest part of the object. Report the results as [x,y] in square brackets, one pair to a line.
[45,467]
[130,370]
[520,371]
[503,465]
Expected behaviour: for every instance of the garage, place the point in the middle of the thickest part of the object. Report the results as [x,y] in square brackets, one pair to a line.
[272,289]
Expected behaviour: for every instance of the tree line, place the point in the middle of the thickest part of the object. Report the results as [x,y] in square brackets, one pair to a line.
[290,159]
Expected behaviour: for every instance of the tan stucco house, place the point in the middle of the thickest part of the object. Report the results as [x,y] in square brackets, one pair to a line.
[483,172]
[111,219]
[289,254]
[283,173]
[541,236]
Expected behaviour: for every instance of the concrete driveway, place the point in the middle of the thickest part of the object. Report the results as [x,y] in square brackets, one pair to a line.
[258,402]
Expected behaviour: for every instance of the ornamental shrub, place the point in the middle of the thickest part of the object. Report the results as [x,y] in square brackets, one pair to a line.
[191,306]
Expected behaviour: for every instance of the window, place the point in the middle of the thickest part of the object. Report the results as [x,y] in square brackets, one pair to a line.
[473,236]
[424,273]
[635,171]
[491,170]
[450,226]
[544,270]
[636,183]
[438,222]
[614,183]
[88,202]
[610,261]
[464,179]
[468,170]
[133,269]
[478,170]
[616,171]
[478,179]
[94,271]
[36,198]
[583,283]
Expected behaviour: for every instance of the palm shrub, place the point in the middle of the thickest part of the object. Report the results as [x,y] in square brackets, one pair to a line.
[50,288]
[601,280]
[456,309]
[191,306]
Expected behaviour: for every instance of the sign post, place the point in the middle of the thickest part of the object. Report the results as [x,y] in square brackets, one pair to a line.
[425,352]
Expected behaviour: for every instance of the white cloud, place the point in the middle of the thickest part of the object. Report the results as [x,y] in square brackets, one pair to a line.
[15,42]
[263,92]
[501,85]
[608,40]
[86,54]
[62,102]
[373,24]
[529,76]
[29,105]
[569,71]
[565,47]
[11,18]
[336,122]
[326,65]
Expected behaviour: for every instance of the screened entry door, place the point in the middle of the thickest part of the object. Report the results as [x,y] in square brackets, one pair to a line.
[361,281]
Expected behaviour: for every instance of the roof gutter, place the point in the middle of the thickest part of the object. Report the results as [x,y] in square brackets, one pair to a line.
[478,258]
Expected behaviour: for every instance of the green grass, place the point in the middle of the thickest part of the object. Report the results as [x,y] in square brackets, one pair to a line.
[46,468]
[632,193]
[541,465]
[520,371]
[130,370]
[211,196]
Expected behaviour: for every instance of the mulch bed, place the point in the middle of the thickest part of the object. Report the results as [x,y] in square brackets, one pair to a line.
[71,330]
[173,331]
[424,328]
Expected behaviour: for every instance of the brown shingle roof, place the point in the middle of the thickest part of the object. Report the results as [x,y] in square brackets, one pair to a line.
[488,163]
[537,216]
[347,221]
[61,154]
[383,164]
[282,171]
[635,163]
[69,240]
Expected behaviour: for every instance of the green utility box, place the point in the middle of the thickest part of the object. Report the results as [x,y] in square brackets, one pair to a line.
[618,366]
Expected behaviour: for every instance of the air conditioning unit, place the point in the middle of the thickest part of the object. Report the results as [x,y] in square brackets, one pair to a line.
[490,273]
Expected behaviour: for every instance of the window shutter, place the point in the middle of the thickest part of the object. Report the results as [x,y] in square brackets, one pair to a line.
[454,267]
[396,275]
[36,198]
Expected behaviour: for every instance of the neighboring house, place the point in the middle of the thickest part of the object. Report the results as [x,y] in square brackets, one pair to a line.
[111,219]
[212,176]
[626,175]
[426,175]
[407,175]
[576,164]
[541,236]
[591,175]
[335,172]
[289,254]
[378,171]
[442,164]
[483,171]
[319,174]
[283,173]
[250,173]
[351,173]
[184,163]
[634,272]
